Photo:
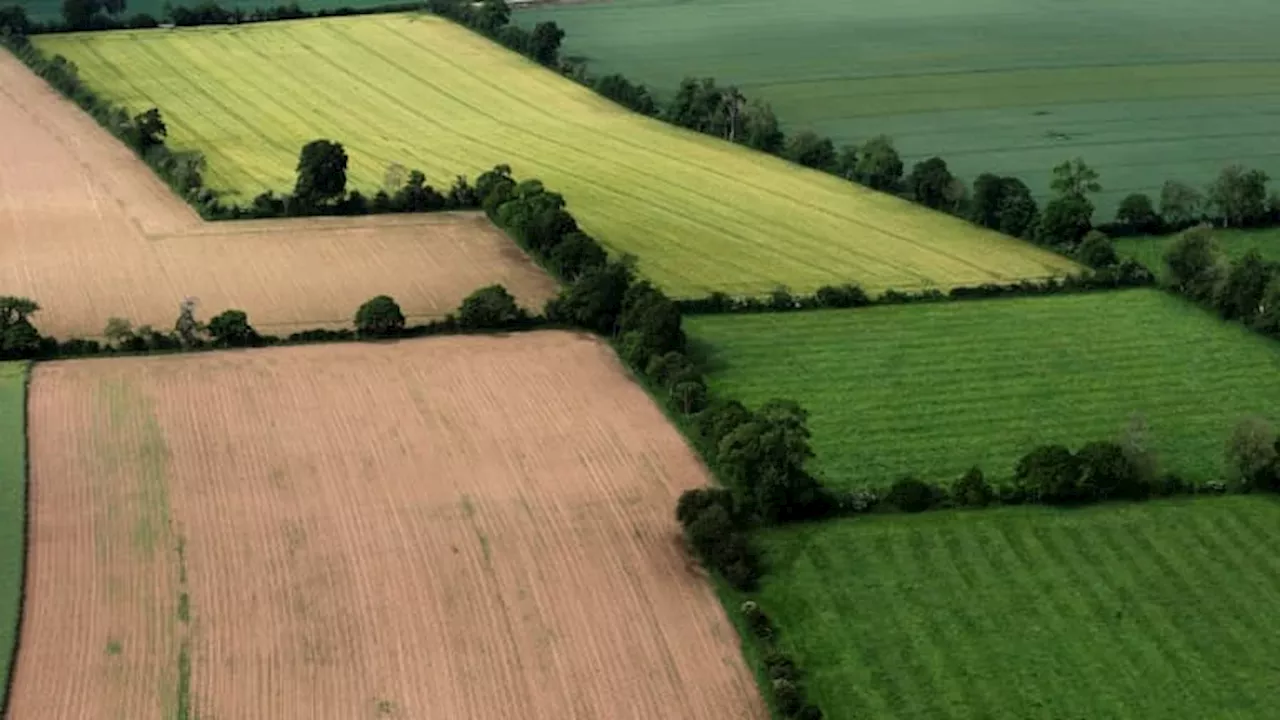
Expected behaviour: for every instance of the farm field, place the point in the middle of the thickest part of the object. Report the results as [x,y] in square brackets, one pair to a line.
[469,527]
[935,389]
[1153,611]
[13,503]
[1006,86]
[1234,244]
[700,214]
[90,233]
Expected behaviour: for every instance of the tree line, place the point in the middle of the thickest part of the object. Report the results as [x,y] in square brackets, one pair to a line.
[1245,290]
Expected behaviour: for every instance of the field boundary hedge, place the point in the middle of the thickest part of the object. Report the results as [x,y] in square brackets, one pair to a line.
[7,698]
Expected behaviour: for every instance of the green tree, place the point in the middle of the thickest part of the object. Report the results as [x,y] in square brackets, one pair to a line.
[492,16]
[1065,221]
[1193,262]
[18,337]
[809,149]
[380,317]
[1251,453]
[1049,474]
[1074,178]
[760,128]
[1003,204]
[231,328]
[1241,294]
[186,326]
[879,166]
[82,14]
[575,254]
[1268,318]
[1240,195]
[14,20]
[595,300]
[322,173]
[1106,472]
[490,308]
[972,489]
[1137,214]
[151,129]
[1097,250]
[1180,203]
[930,183]
[544,43]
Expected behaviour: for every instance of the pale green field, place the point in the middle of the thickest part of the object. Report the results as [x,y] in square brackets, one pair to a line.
[698,213]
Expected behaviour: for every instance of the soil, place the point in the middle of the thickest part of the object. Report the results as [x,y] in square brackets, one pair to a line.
[473,528]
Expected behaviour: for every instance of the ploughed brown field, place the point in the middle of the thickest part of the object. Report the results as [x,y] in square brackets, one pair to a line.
[88,231]
[472,528]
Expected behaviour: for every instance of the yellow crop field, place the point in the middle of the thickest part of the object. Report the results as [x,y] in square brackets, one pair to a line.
[700,214]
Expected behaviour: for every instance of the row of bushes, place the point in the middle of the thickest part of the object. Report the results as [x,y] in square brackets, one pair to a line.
[1122,274]
[1246,289]
[79,15]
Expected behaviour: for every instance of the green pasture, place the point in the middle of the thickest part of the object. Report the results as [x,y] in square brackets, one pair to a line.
[699,213]
[13,503]
[1144,90]
[1158,611]
[1150,250]
[934,389]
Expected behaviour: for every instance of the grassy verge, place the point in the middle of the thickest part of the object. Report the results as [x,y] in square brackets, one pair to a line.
[13,516]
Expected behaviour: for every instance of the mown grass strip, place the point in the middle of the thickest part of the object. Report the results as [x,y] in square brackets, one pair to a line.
[13,517]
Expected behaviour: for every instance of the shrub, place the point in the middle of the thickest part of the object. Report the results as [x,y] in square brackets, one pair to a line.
[972,489]
[693,502]
[842,296]
[490,308]
[1106,471]
[911,494]
[1049,474]
[788,697]
[779,666]
[380,317]
[1253,454]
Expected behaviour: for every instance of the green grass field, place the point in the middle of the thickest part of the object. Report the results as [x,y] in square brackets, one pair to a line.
[1160,611]
[935,389]
[13,503]
[1234,243]
[1144,90]
[700,214]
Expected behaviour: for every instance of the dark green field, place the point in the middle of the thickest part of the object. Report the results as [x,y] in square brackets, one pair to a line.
[1145,90]
[1234,243]
[935,389]
[1161,611]
[13,504]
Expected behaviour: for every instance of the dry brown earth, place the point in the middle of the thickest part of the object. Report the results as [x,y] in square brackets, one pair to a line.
[472,528]
[87,231]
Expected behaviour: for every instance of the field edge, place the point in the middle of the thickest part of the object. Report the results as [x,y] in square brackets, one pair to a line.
[8,512]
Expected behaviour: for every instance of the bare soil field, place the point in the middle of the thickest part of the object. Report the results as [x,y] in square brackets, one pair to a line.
[473,528]
[87,231]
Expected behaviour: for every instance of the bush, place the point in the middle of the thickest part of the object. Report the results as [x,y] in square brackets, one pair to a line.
[911,494]
[231,328]
[843,296]
[972,489]
[380,317]
[779,666]
[490,308]
[1049,474]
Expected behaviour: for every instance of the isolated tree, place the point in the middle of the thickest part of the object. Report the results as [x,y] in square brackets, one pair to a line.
[879,166]
[544,43]
[1074,178]
[1180,203]
[930,182]
[380,317]
[1251,453]
[489,308]
[1240,296]
[811,150]
[151,129]
[322,172]
[1137,214]
[231,328]
[18,337]
[1192,262]
[1240,195]
[1096,250]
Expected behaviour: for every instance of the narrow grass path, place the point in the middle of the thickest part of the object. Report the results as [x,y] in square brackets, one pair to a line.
[13,504]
